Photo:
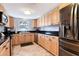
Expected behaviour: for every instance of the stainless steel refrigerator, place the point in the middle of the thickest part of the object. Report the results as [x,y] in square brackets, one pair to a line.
[69,30]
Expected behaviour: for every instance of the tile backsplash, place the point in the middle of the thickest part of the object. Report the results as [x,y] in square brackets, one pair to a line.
[50,28]
[1,29]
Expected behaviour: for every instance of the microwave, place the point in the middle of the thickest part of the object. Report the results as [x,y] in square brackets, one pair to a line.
[3,18]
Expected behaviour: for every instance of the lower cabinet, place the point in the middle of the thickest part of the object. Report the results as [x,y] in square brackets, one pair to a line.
[54,48]
[5,48]
[41,40]
[22,38]
[50,43]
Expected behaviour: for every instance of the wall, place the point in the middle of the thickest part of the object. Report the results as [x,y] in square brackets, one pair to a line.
[22,24]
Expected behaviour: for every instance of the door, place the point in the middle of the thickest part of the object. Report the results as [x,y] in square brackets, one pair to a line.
[66,18]
[76,21]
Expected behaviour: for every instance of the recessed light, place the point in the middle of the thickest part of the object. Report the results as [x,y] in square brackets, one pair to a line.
[27,12]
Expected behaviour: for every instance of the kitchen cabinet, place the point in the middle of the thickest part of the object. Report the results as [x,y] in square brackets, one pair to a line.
[34,23]
[5,48]
[46,20]
[1,8]
[42,21]
[50,43]
[51,18]
[11,22]
[55,17]
[28,38]
[22,38]
[15,39]
[47,42]
[39,22]
[54,48]
[41,39]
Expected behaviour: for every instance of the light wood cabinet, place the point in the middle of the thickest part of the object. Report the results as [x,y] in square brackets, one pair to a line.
[42,21]
[1,8]
[39,22]
[28,38]
[50,43]
[51,18]
[5,48]
[22,38]
[11,22]
[34,23]
[54,48]
[47,42]
[15,39]
[46,20]
[41,40]
[55,17]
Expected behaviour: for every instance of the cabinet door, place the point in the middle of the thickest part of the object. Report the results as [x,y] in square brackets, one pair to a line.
[46,22]
[55,17]
[11,22]
[34,23]
[39,22]
[16,39]
[1,8]
[47,43]
[41,39]
[54,49]
[5,50]
[42,21]
[49,19]
[32,37]
[28,38]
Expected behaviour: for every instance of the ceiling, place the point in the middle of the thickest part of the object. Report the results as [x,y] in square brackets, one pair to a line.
[37,9]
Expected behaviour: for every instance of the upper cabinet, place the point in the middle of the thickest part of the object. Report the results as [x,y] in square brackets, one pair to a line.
[55,17]
[11,22]
[51,18]
[1,8]
[34,23]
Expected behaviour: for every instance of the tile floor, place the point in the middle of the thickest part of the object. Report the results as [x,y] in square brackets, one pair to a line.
[30,50]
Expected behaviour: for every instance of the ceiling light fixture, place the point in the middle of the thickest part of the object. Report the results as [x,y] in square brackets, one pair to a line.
[27,12]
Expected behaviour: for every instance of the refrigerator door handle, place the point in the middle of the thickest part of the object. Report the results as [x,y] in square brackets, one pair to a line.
[75,23]
[72,20]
